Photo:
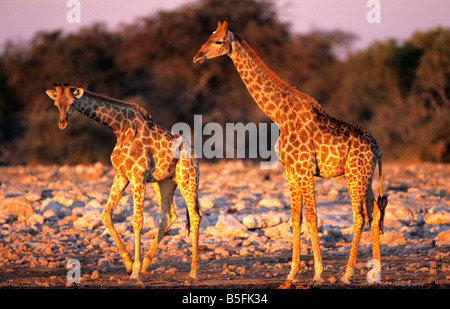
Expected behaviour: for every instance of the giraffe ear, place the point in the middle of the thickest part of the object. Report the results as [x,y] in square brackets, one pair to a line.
[222,26]
[51,94]
[78,93]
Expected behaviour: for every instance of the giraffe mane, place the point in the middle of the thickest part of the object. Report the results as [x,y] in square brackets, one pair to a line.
[276,79]
[116,102]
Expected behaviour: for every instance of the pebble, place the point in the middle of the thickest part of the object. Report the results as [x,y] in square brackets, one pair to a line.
[206,202]
[16,206]
[439,218]
[281,230]
[228,225]
[260,221]
[271,202]
[95,275]
[50,211]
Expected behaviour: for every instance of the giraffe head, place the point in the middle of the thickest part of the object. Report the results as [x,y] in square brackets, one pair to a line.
[218,44]
[65,98]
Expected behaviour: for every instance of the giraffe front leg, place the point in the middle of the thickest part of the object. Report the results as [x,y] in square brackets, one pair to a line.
[296,219]
[119,184]
[138,220]
[311,221]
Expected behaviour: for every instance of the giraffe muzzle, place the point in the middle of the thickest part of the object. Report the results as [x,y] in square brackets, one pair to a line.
[199,59]
[62,123]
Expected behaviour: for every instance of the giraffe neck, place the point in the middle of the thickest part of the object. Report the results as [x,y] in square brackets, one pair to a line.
[277,99]
[114,114]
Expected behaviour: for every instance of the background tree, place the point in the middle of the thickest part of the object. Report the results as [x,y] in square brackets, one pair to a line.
[398,91]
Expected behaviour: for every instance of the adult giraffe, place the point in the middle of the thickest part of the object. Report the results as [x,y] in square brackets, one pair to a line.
[311,143]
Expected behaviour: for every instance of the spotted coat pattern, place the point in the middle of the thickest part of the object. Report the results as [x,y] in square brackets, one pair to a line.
[311,143]
[144,152]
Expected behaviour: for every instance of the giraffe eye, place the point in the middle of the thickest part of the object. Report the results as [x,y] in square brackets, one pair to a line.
[219,42]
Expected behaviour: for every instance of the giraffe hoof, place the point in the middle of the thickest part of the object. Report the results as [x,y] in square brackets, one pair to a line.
[287,285]
[190,280]
[193,276]
[129,267]
[291,279]
[318,280]
[134,276]
[345,279]
[137,281]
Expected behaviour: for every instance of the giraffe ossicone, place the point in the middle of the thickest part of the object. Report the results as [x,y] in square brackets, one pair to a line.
[143,153]
[311,143]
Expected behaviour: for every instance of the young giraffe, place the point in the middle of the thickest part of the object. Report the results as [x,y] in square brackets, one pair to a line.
[311,143]
[145,152]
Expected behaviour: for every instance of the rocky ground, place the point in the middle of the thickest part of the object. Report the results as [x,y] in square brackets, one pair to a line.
[50,215]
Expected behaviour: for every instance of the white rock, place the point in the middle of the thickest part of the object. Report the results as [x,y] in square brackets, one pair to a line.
[32,197]
[391,238]
[240,205]
[91,220]
[438,218]
[270,202]
[333,195]
[444,235]
[437,209]
[63,200]
[16,206]
[213,231]
[260,221]
[228,225]
[281,230]
[206,202]
[254,222]
[397,212]
[94,204]
[36,219]
[150,222]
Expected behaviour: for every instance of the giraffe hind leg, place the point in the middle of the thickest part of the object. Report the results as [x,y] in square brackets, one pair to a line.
[165,190]
[363,211]
[375,226]
[189,189]
[194,218]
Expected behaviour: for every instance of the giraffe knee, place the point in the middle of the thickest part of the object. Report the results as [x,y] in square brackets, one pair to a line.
[138,222]
[358,223]
[106,218]
[311,217]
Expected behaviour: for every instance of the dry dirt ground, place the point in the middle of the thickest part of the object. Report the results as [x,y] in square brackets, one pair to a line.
[50,215]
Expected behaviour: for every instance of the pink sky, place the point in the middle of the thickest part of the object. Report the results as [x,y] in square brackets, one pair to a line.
[21,19]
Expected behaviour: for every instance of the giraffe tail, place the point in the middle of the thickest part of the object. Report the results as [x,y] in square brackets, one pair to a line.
[188,223]
[382,199]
